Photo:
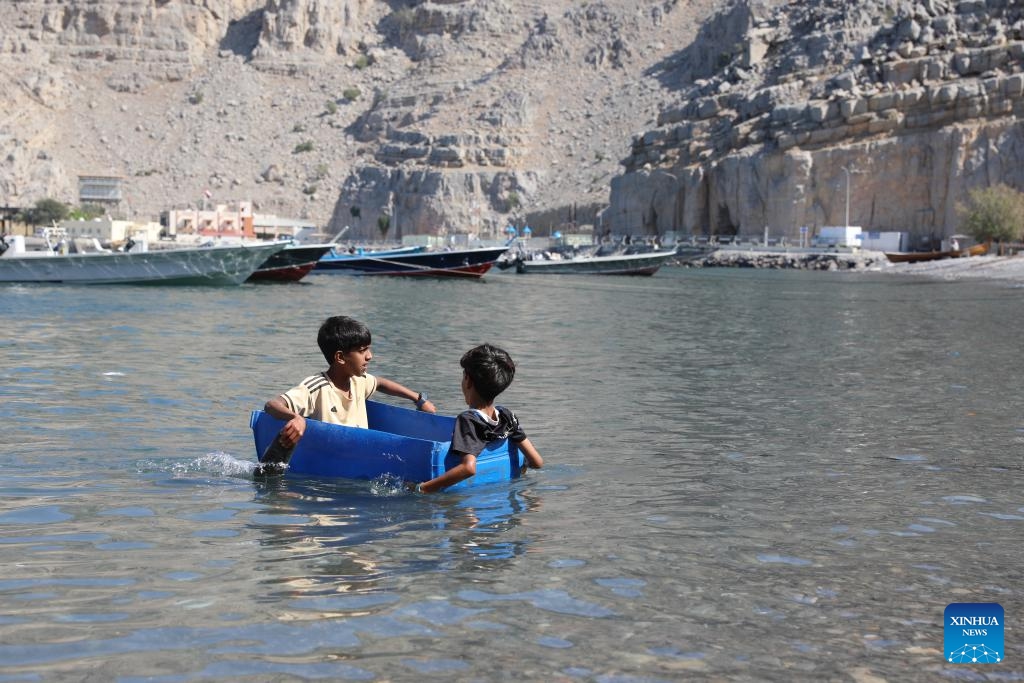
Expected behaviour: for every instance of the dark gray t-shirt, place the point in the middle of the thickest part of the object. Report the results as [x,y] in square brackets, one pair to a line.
[473,431]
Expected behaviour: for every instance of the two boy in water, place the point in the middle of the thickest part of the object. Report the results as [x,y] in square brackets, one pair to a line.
[338,396]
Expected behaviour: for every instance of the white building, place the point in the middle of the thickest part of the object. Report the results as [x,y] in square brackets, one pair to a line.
[107,230]
[838,236]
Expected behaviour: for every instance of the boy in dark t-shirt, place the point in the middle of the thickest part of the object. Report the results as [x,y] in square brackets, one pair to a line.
[487,371]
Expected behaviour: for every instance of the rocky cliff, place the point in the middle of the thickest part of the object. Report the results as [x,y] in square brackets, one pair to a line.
[791,116]
[442,116]
[462,115]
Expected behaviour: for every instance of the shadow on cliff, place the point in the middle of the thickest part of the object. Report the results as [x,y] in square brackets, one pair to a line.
[719,40]
[243,35]
[401,27]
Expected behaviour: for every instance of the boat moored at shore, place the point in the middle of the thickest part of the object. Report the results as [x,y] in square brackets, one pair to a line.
[644,263]
[464,263]
[215,265]
[917,256]
[291,264]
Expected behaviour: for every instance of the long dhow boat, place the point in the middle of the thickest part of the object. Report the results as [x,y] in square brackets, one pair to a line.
[291,264]
[216,265]
[615,264]
[466,263]
[917,256]
[400,442]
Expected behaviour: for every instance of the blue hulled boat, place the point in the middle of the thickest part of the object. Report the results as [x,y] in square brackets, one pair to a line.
[456,263]
[400,442]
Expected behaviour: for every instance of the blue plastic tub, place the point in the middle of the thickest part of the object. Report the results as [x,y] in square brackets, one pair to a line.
[405,443]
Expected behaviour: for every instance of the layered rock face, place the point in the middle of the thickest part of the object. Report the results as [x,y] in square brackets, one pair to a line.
[509,110]
[441,116]
[313,30]
[167,40]
[460,116]
[162,40]
[96,87]
[905,106]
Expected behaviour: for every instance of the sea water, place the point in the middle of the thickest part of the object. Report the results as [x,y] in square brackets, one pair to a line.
[749,476]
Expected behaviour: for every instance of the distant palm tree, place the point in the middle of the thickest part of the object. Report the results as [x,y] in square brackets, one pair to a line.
[45,212]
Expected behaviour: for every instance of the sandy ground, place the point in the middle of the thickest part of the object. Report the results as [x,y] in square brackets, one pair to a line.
[1005,268]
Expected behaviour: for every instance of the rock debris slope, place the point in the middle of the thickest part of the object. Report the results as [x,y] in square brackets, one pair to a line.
[461,115]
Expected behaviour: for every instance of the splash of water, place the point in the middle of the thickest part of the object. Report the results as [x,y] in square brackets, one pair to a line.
[217,463]
[387,485]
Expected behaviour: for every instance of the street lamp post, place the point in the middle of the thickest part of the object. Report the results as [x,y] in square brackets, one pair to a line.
[847,172]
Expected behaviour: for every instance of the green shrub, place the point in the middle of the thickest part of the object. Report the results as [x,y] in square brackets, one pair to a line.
[351,94]
[361,62]
[993,214]
[306,146]
[86,212]
[332,107]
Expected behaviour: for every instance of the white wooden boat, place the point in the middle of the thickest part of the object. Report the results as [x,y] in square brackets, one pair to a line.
[216,265]
[614,264]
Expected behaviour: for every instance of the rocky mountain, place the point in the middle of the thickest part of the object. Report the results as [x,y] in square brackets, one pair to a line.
[692,116]
[878,114]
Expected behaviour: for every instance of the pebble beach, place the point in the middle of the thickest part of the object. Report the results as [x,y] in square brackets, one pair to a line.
[988,267]
[1005,268]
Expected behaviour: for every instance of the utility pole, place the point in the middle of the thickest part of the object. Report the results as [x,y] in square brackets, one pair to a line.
[847,172]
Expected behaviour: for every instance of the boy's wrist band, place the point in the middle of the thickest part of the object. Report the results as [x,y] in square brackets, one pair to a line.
[421,398]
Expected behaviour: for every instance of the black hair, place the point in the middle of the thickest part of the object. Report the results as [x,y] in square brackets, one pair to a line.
[341,333]
[489,368]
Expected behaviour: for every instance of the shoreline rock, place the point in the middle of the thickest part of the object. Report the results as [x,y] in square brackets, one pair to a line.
[989,267]
[797,259]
